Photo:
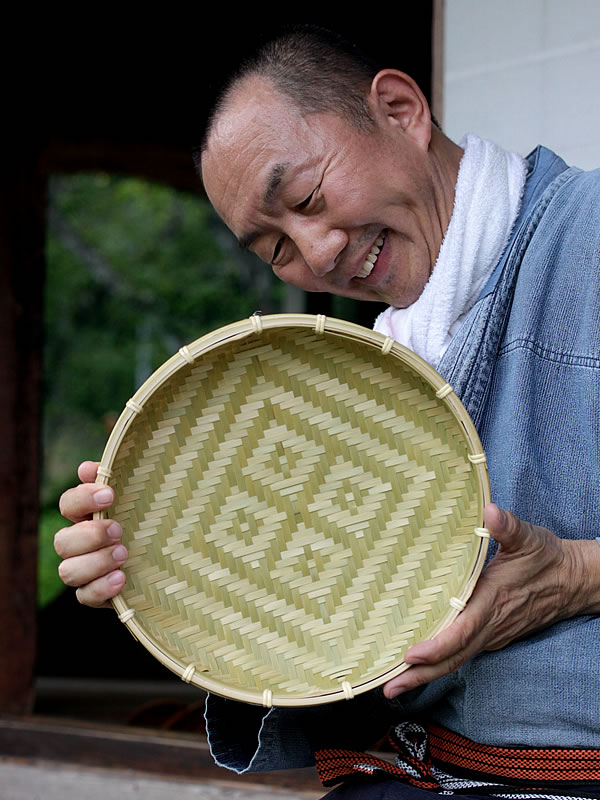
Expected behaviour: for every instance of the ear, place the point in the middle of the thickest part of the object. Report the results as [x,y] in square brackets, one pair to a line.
[396,101]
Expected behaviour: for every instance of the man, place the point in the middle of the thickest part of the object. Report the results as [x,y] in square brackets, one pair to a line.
[332,170]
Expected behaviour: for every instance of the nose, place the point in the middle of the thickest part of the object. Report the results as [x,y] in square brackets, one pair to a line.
[319,246]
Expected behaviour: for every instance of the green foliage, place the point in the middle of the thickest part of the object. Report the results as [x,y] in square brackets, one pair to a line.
[135,270]
[49,584]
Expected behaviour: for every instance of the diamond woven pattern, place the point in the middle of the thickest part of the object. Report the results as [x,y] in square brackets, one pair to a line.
[299,509]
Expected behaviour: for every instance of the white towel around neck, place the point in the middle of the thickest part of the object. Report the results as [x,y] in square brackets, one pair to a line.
[486,204]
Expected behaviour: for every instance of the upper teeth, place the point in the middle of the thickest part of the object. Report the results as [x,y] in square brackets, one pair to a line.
[370,260]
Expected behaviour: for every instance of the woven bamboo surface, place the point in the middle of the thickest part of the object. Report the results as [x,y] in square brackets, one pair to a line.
[302,500]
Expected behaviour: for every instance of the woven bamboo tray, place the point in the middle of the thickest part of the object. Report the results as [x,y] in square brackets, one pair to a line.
[302,500]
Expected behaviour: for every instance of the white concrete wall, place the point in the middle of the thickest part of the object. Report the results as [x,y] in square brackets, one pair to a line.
[525,72]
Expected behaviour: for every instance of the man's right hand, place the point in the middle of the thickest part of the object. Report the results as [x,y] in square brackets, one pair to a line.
[90,549]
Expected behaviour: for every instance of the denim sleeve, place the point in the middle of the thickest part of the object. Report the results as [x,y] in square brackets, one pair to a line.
[247,738]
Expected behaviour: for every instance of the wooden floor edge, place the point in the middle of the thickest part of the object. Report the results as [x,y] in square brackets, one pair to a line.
[151,752]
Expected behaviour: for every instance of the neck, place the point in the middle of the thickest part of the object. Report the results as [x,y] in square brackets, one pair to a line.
[445,157]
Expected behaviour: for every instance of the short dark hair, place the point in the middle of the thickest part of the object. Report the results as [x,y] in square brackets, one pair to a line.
[317,69]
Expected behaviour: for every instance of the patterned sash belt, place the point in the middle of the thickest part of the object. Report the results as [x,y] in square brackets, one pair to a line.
[438,759]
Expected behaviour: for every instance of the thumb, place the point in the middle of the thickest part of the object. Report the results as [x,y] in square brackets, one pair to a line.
[507,529]
[87,471]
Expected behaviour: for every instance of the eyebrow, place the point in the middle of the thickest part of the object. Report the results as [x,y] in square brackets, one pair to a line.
[272,185]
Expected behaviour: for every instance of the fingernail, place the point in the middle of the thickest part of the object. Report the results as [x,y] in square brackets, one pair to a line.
[119,553]
[395,692]
[104,497]
[114,530]
[116,578]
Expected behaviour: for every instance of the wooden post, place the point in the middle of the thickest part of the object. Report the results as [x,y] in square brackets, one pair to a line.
[22,198]
[437,59]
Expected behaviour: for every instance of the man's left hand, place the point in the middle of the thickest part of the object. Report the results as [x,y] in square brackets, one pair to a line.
[534,580]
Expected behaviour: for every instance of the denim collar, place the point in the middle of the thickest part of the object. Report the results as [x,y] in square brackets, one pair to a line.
[468,362]
[543,167]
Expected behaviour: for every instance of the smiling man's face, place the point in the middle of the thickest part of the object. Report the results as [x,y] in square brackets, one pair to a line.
[332,208]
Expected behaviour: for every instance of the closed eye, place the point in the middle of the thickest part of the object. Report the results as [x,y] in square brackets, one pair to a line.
[277,249]
[306,202]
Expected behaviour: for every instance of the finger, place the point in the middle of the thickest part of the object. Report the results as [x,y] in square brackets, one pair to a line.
[97,593]
[81,570]
[464,635]
[430,664]
[86,537]
[82,501]
[88,471]
[446,644]
[505,528]
[420,675]
[451,647]
[447,651]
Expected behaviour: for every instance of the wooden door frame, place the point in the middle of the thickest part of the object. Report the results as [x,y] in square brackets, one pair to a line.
[22,265]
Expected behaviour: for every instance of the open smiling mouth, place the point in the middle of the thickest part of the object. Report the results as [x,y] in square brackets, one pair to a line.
[371,259]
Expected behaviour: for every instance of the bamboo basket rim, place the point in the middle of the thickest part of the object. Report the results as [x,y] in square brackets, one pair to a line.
[257,324]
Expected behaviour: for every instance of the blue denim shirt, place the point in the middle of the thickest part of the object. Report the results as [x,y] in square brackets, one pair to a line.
[526,364]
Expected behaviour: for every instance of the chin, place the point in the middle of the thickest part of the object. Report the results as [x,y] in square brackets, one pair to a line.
[406,297]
